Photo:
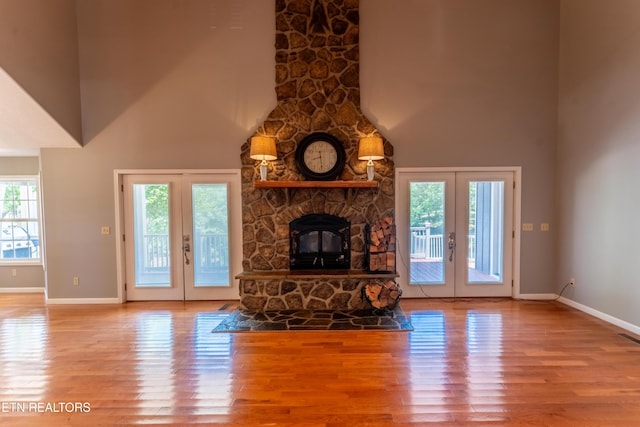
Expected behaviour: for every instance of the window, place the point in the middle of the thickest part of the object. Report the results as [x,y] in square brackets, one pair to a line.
[20,220]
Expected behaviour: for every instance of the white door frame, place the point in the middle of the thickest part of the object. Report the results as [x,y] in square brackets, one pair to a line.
[235,223]
[517,211]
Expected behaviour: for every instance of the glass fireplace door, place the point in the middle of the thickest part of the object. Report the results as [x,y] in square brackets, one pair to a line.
[319,242]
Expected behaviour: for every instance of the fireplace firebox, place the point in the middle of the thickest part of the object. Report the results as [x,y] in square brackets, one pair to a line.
[319,242]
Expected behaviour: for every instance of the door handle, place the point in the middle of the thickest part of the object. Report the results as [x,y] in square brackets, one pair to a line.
[186,248]
[452,245]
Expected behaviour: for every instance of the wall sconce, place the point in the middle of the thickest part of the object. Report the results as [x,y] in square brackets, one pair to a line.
[370,148]
[263,148]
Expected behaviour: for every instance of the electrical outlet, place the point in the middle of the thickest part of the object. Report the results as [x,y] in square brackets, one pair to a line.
[572,282]
[76,281]
[14,272]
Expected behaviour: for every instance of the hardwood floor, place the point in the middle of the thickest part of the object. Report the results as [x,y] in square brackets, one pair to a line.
[468,362]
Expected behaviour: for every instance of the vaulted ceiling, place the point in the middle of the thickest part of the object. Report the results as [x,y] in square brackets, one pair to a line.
[39,77]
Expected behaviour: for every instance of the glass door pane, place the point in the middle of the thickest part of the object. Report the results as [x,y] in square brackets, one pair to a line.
[210,234]
[485,232]
[151,235]
[427,222]
[214,236]
[153,260]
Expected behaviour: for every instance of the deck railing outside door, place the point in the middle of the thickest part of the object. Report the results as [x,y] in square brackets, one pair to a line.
[425,245]
[212,250]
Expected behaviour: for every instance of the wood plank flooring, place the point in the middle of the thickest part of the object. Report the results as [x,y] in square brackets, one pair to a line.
[467,362]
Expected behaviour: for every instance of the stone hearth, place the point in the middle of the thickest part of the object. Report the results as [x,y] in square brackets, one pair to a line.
[318,90]
[307,320]
[312,290]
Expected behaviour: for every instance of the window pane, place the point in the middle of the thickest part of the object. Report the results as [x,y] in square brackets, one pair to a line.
[19,226]
[151,234]
[426,241]
[17,242]
[486,231]
[211,234]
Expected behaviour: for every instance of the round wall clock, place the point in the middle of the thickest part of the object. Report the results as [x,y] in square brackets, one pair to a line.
[320,156]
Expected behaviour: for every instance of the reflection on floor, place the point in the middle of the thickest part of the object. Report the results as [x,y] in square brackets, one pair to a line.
[306,320]
[467,362]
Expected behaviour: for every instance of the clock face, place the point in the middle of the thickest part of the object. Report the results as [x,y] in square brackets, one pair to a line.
[320,156]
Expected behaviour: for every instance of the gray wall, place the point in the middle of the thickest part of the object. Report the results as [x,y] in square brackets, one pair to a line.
[19,166]
[471,83]
[183,84]
[165,85]
[598,153]
[27,276]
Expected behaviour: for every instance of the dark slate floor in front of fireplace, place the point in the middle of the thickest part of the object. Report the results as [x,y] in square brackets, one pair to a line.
[307,320]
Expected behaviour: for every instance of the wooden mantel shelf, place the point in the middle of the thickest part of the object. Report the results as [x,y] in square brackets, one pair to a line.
[347,186]
[316,184]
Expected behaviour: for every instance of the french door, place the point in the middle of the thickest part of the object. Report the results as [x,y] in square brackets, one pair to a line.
[455,231]
[180,236]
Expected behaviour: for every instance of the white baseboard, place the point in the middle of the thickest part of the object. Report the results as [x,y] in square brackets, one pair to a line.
[602,316]
[538,296]
[22,290]
[54,301]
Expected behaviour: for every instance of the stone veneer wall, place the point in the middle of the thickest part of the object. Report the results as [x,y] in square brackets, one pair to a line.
[313,293]
[318,90]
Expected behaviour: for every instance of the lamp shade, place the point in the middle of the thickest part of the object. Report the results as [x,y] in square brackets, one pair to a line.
[370,148]
[263,148]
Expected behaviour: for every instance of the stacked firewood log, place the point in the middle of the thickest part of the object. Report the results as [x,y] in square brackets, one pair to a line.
[382,245]
[383,296]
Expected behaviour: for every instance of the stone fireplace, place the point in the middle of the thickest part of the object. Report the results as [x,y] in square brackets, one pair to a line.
[318,90]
